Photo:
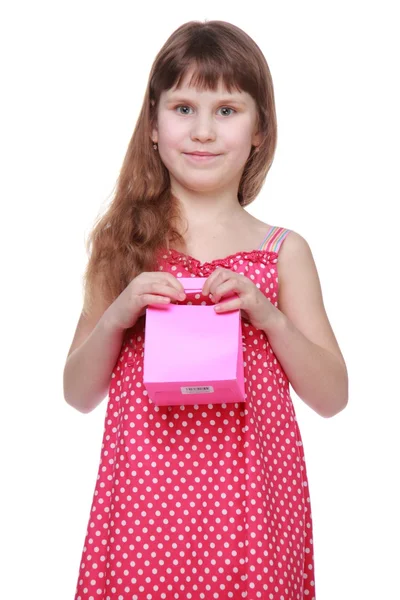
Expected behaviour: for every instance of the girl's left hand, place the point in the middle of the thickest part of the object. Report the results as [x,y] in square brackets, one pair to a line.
[251,301]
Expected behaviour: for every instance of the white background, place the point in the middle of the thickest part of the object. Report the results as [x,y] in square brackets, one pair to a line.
[74,76]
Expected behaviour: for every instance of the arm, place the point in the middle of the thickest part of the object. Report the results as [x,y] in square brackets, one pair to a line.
[88,368]
[300,333]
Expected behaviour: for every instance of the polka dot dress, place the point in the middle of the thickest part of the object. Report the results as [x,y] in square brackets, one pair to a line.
[202,501]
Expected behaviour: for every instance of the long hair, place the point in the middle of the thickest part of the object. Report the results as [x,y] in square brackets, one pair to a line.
[144,215]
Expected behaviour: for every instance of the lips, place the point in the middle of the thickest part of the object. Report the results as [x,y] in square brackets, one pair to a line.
[201,153]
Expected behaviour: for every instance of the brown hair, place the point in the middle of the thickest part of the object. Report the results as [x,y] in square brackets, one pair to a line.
[143,217]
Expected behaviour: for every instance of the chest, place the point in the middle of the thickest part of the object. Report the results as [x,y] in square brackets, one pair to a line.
[211,246]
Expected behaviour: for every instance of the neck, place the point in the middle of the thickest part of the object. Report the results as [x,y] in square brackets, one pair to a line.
[205,211]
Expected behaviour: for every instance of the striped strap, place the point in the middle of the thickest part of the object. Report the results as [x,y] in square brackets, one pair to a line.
[274,239]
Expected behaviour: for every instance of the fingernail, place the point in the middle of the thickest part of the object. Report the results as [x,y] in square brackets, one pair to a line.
[182,296]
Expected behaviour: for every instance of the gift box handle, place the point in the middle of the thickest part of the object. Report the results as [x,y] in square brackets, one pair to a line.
[193,285]
[193,291]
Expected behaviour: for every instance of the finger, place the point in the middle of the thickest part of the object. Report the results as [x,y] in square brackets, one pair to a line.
[173,281]
[228,305]
[227,287]
[167,290]
[206,287]
[210,280]
[167,279]
[150,299]
[218,276]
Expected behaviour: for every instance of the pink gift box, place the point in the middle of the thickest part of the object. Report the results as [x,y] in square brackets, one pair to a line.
[192,355]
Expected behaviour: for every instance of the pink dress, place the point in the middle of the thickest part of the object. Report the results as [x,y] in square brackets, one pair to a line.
[202,501]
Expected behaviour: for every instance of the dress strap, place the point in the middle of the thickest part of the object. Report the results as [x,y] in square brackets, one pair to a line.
[274,239]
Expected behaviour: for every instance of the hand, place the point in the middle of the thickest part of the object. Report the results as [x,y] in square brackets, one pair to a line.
[147,288]
[251,301]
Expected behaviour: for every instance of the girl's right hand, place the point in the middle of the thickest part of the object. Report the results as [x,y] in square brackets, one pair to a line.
[147,288]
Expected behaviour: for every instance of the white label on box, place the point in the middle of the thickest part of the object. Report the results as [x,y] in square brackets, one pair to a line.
[205,389]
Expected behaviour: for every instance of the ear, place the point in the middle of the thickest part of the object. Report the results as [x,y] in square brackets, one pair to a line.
[154,133]
[256,139]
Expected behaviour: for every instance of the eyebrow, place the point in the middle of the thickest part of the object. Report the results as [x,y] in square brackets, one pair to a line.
[221,101]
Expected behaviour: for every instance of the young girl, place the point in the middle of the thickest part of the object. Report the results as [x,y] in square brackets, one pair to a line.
[202,501]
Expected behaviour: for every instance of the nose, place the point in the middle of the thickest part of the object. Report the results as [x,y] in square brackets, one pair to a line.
[203,128]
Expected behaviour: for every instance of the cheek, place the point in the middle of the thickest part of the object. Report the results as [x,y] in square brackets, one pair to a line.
[171,133]
[238,152]
[169,139]
[238,140]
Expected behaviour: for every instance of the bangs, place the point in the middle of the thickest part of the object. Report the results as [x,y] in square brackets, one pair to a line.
[207,75]
[207,71]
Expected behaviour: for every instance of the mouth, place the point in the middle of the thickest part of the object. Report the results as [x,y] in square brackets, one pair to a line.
[201,157]
[202,153]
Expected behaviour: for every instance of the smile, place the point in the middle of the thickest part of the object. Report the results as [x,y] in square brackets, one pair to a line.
[200,158]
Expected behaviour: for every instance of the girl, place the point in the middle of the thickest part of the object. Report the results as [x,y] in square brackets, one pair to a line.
[202,501]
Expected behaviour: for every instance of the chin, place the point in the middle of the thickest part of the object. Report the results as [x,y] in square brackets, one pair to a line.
[203,184]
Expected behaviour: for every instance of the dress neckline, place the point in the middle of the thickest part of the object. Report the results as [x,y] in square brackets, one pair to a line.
[259,253]
[254,254]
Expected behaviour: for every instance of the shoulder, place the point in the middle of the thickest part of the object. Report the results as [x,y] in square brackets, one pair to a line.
[293,243]
[270,235]
[296,266]
[293,249]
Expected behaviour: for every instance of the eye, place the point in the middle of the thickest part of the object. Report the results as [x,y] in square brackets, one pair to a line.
[228,108]
[186,106]
[181,106]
